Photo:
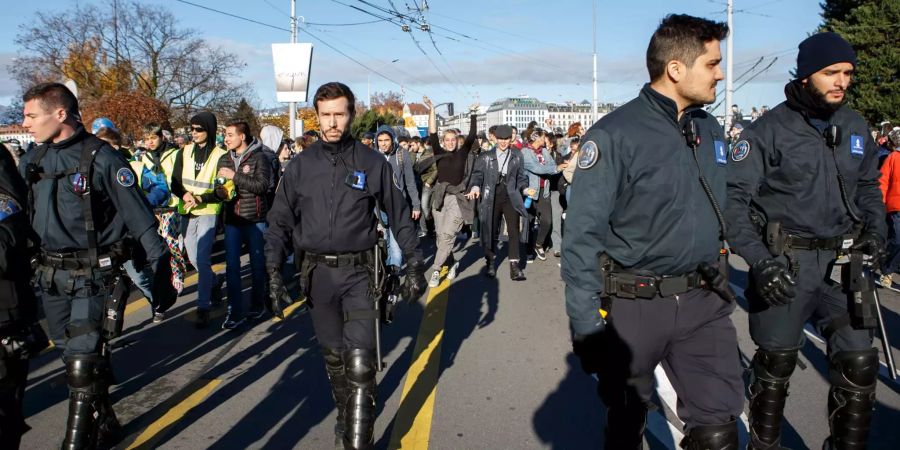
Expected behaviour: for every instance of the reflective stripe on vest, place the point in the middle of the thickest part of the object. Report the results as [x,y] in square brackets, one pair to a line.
[201,183]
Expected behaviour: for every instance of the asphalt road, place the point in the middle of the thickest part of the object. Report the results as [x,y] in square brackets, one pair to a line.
[478,364]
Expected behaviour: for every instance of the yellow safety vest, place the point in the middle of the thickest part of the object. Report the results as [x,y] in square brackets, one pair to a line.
[201,183]
[166,164]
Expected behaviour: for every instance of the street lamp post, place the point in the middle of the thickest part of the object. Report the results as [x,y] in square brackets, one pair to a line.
[369,80]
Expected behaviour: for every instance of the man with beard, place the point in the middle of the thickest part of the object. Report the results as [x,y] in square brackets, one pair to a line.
[803,188]
[325,211]
[632,256]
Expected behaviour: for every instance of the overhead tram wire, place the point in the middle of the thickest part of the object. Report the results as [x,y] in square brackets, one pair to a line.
[323,42]
[764,69]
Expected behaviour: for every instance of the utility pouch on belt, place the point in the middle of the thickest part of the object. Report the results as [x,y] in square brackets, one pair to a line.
[606,265]
[860,288]
[114,307]
[775,240]
[305,267]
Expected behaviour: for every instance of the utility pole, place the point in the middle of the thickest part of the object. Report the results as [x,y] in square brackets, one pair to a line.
[292,108]
[729,69]
[594,101]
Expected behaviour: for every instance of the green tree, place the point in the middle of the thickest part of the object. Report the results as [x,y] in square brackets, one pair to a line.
[245,112]
[871,27]
[371,120]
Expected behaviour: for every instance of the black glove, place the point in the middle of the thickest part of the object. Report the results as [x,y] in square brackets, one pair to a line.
[164,293]
[589,352]
[773,283]
[278,294]
[414,284]
[872,245]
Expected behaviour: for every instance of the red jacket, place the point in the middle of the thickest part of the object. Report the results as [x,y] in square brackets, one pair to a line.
[890,182]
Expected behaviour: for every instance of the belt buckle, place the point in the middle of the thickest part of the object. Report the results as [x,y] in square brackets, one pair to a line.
[331,260]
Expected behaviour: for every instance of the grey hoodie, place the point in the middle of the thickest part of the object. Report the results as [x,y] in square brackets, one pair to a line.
[402,165]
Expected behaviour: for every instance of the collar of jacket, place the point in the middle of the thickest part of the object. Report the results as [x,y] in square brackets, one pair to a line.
[666,105]
[75,138]
[346,143]
[798,99]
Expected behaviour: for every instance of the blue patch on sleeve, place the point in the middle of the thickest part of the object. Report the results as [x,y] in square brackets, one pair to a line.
[125,177]
[8,208]
[721,155]
[857,146]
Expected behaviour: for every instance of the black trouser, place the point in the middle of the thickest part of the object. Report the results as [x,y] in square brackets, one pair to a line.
[543,208]
[692,336]
[334,292]
[818,299]
[503,208]
[73,304]
[13,378]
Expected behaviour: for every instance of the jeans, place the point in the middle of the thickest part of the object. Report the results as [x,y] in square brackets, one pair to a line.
[235,237]
[892,262]
[557,201]
[426,204]
[394,254]
[198,240]
[142,279]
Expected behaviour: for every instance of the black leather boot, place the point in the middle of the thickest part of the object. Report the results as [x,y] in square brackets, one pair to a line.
[82,372]
[712,437]
[360,413]
[851,399]
[515,273]
[769,381]
[337,376]
[625,425]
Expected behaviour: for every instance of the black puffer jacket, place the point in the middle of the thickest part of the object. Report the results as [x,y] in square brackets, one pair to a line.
[252,176]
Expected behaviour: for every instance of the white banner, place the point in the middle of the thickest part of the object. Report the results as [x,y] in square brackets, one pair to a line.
[292,66]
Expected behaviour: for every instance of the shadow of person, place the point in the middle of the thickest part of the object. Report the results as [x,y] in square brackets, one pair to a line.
[571,416]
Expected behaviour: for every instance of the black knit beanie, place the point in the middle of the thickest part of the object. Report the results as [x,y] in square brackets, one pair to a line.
[822,50]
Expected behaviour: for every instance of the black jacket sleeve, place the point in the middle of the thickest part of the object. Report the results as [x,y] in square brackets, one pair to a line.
[869,198]
[258,180]
[283,217]
[477,178]
[744,179]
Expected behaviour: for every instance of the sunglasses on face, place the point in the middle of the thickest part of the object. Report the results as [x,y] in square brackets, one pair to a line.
[198,130]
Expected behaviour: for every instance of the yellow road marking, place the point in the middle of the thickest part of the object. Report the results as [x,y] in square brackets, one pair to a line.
[176,413]
[290,309]
[142,302]
[412,425]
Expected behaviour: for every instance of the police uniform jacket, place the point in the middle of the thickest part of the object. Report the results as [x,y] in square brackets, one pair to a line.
[119,208]
[317,211]
[783,170]
[18,304]
[637,197]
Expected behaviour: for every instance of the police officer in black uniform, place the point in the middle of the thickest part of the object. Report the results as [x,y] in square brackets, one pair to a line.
[325,211]
[803,187]
[20,335]
[645,203]
[85,208]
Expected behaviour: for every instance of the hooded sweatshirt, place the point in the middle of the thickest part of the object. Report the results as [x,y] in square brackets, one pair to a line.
[402,166]
[206,120]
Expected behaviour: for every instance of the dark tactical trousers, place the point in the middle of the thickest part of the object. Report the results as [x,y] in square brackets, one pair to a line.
[334,291]
[692,336]
[73,305]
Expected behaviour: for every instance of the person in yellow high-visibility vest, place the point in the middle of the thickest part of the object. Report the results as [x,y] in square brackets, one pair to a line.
[193,179]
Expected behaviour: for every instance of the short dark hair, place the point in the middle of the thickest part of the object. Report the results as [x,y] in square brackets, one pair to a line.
[110,135]
[492,129]
[681,37]
[333,90]
[153,128]
[242,127]
[415,139]
[402,139]
[54,95]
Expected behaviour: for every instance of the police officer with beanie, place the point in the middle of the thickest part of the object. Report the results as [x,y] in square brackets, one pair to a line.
[803,188]
[645,282]
[20,335]
[88,213]
[324,210]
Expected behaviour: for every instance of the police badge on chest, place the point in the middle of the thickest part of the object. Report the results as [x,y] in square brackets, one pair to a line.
[356,180]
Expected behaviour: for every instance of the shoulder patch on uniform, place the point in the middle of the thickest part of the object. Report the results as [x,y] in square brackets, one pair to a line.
[125,177]
[8,207]
[588,155]
[740,151]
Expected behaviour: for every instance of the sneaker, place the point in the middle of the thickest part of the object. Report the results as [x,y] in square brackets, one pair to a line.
[529,259]
[556,253]
[158,317]
[541,254]
[451,274]
[202,319]
[231,322]
[256,311]
[887,280]
[435,279]
[422,233]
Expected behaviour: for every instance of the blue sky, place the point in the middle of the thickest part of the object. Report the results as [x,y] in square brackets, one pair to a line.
[488,48]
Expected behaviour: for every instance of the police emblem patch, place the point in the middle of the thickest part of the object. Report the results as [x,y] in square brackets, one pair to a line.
[125,177]
[740,151]
[588,155]
[8,207]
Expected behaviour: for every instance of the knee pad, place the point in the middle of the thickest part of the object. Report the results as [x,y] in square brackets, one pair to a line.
[360,365]
[774,365]
[712,437]
[83,371]
[854,370]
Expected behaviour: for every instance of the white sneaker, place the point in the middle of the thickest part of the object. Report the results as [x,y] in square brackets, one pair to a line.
[887,280]
[451,274]
[435,279]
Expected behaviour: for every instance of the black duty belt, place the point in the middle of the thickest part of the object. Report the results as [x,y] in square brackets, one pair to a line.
[80,260]
[802,243]
[630,286]
[339,259]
